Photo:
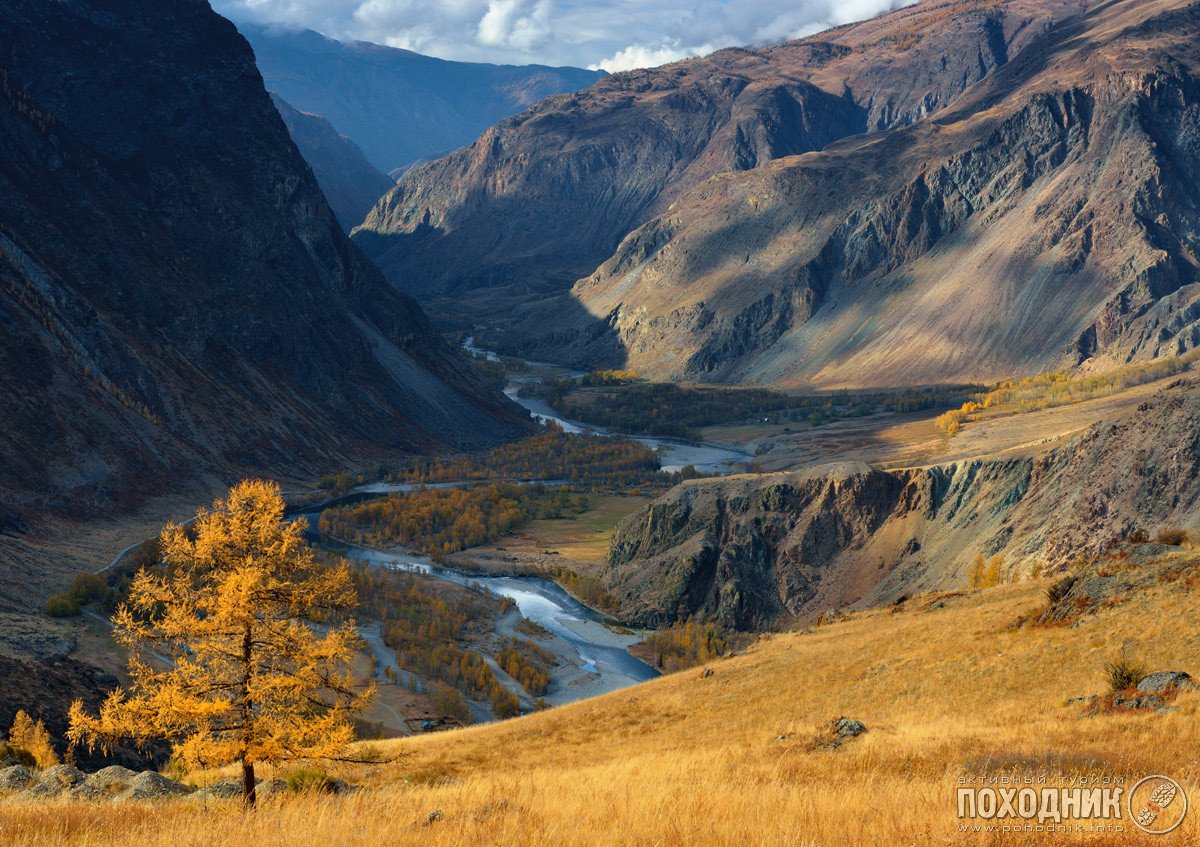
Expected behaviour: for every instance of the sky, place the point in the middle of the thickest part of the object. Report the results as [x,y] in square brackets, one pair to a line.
[615,35]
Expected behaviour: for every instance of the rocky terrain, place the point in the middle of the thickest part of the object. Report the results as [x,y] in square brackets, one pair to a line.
[180,304]
[349,182]
[772,549]
[543,198]
[1015,180]
[398,106]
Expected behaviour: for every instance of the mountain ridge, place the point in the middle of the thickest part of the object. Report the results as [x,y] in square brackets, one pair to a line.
[398,106]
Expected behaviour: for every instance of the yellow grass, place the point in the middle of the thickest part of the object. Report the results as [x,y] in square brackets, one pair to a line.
[726,758]
[582,538]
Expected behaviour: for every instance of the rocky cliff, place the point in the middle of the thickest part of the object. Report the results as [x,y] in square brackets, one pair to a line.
[768,550]
[995,188]
[543,198]
[349,182]
[178,300]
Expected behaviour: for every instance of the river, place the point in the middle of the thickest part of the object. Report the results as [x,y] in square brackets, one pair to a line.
[674,454]
[593,654]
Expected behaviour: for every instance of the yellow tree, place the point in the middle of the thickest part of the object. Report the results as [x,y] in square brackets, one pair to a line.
[253,677]
[33,738]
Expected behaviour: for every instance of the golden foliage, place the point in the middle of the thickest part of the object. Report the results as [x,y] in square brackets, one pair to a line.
[685,645]
[436,521]
[1059,388]
[986,573]
[34,739]
[250,680]
[591,463]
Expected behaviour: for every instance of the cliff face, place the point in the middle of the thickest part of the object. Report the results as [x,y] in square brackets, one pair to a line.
[764,551]
[349,182]
[177,297]
[543,198]
[996,188]
[1044,219]
[398,106]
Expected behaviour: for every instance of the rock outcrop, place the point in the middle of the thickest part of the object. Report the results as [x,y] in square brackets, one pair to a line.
[758,552]
[179,303]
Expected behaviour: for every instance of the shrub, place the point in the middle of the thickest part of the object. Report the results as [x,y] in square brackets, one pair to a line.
[1138,536]
[309,780]
[1123,674]
[10,755]
[62,606]
[448,702]
[1059,590]
[86,587]
[1172,535]
[505,705]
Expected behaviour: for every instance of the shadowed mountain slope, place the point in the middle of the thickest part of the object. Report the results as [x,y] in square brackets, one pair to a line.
[176,295]
[349,182]
[398,106]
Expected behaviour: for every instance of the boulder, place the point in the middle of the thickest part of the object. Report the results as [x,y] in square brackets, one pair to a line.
[226,790]
[1166,682]
[837,732]
[107,782]
[57,780]
[15,778]
[269,787]
[848,728]
[149,785]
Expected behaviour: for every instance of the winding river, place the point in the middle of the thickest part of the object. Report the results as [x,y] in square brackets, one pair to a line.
[593,652]
[674,454]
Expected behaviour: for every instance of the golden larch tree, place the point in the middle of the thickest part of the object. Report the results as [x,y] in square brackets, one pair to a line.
[235,607]
[33,738]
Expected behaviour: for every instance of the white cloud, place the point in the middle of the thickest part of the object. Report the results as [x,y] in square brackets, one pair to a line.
[610,34]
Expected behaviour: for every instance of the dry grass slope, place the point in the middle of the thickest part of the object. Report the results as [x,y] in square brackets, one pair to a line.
[726,758]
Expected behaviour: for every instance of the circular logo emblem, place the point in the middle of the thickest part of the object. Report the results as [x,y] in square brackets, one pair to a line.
[1157,804]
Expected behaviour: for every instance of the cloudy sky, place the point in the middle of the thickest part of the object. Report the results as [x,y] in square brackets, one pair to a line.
[611,34]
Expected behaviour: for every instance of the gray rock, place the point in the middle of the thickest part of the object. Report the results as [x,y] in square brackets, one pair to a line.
[104,783]
[848,727]
[1166,682]
[226,790]
[1139,701]
[15,778]
[57,780]
[149,785]
[269,787]
[838,731]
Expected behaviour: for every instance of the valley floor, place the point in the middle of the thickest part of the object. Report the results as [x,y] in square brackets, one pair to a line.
[947,687]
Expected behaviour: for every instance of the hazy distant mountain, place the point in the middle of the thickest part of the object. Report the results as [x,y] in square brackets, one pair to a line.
[350,183]
[962,190]
[178,301]
[398,106]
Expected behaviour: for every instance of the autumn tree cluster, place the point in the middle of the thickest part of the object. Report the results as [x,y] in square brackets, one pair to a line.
[590,463]
[437,521]
[686,645]
[28,743]
[528,664]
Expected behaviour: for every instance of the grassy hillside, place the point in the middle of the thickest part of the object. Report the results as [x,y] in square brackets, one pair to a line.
[947,686]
